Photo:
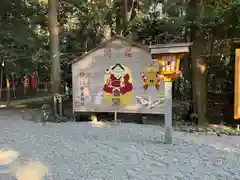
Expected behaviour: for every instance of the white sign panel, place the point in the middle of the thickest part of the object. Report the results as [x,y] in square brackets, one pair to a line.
[124,79]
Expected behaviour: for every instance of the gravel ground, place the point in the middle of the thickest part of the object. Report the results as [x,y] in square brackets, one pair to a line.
[82,151]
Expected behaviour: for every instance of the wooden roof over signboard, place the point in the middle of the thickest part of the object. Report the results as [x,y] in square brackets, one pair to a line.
[106,43]
[236,40]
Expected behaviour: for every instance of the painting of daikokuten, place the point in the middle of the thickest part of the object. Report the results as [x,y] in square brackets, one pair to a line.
[117,85]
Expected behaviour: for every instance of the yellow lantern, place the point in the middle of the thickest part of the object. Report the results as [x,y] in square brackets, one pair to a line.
[169,66]
[168,56]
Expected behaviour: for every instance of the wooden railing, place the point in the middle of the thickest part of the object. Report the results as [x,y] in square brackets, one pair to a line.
[22,92]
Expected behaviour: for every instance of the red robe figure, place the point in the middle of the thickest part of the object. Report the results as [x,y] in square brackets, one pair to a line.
[33,81]
[118,80]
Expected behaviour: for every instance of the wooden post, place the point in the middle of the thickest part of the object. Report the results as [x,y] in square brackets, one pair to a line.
[25,84]
[13,86]
[168,112]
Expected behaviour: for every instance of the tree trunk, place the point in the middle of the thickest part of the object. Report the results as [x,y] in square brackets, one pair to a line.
[199,67]
[54,45]
[107,31]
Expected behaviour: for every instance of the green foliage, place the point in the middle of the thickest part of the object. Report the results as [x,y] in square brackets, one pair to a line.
[18,41]
[217,17]
[24,26]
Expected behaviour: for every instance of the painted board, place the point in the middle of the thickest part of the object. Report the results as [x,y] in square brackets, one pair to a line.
[123,79]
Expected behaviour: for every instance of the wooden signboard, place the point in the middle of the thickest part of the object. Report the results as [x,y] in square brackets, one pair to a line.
[117,76]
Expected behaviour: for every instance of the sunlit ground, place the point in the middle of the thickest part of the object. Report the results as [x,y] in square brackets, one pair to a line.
[29,171]
[100,124]
[8,156]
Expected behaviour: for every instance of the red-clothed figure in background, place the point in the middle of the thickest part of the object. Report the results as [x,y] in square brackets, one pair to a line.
[33,80]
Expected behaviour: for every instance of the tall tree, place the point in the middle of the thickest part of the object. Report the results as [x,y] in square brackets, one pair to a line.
[54,45]
[208,21]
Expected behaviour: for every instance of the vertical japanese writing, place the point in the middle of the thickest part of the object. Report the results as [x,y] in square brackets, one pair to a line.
[107,53]
[155,63]
[82,97]
[82,84]
[165,58]
[77,104]
[169,63]
[128,52]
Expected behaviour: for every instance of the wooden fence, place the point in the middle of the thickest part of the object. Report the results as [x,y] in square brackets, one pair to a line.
[22,92]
